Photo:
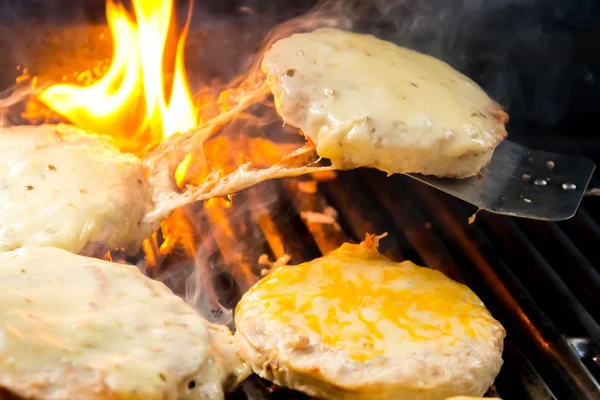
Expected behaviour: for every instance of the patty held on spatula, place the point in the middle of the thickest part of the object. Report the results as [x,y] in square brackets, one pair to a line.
[365,102]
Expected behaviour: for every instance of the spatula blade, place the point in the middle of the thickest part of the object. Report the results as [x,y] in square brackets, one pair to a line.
[523,183]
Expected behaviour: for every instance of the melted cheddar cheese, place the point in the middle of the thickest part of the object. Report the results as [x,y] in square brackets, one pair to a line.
[357,300]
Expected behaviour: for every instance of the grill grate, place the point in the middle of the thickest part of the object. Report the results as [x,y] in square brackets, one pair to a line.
[541,280]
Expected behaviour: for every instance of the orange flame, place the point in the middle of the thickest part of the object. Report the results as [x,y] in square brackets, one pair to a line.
[143,97]
[131,102]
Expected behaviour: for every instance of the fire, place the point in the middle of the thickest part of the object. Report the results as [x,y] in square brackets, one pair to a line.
[134,101]
[141,96]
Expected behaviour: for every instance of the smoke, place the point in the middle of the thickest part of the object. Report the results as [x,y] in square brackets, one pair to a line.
[228,241]
[533,56]
[231,45]
[503,45]
[517,50]
[524,53]
[510,47]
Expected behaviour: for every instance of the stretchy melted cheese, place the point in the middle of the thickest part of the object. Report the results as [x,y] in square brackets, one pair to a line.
[61,187]
[367,102]
[73,327]
[355,325]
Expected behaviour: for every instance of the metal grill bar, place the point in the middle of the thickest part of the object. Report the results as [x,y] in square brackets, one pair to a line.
[585,232]
[414,225]
[365,216]
[540,280]
[327,236]
[518,379]
[277,225]
[573,267]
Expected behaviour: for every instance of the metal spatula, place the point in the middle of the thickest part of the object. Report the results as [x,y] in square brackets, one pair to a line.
[523,183]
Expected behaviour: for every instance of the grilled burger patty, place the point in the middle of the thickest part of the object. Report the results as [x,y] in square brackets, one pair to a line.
[73,327]
[355,325]
[67,188]
[365,102]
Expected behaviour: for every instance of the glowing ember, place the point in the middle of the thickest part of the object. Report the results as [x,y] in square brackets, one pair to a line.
[131,101]
[177,231]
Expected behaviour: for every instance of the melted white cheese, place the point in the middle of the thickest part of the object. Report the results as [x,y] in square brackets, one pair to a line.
[62,187]
[81,328]
[367,102]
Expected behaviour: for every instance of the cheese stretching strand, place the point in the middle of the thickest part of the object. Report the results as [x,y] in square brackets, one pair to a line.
[355,325]
[79,328]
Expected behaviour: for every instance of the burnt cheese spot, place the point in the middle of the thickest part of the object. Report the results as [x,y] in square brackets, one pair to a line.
[290,72]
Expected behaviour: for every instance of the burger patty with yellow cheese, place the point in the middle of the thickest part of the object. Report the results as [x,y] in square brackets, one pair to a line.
[355,325]
[79,328]
[366,102]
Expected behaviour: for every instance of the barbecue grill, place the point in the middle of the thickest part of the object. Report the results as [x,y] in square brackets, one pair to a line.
[541,280]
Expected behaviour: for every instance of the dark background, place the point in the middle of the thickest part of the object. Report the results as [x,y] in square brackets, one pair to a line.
[538,58]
